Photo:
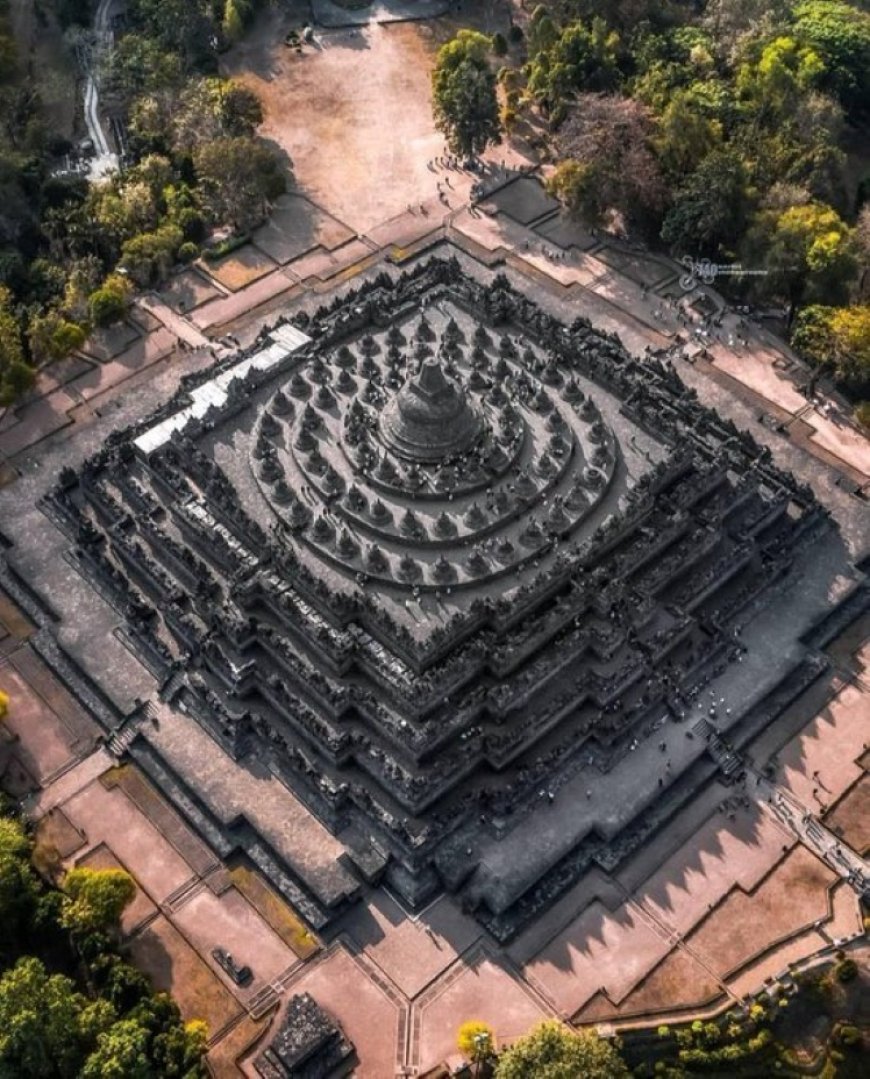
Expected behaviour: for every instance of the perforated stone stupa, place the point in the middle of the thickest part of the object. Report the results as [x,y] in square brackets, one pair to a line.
[429,419]
[442,562]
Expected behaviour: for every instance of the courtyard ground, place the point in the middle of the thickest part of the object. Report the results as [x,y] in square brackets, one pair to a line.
[351,115]
[680,929]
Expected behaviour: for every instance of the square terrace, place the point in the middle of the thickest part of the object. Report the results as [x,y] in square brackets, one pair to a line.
[430,558]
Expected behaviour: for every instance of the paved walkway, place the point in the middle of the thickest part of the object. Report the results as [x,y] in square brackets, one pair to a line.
[177,324]
[71,782]
[803,822]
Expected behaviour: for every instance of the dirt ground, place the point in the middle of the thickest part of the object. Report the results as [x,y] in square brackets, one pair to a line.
[352,113]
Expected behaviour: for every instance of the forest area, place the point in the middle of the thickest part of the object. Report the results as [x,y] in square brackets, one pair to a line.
[736,131]
[71,252]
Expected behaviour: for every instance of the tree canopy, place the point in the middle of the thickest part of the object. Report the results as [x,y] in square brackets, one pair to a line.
[71,1007]
[464,99]
[554,1051]
[95,899]
[806,250]
[45,1023]
[606,142]
[840,34]
[729,130]
[837,338]
[62,238]
[238,176]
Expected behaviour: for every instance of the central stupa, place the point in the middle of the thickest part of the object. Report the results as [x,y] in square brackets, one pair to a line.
[430,418]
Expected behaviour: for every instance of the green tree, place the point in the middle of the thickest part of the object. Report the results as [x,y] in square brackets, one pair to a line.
[108,303]
[18,887]
[685,136]
[95,899]
[464,99]
[772,85]
[577,186]
[543,32]
[238,177]
[121,1053]
[813,156]
[837,338]
[807,251]
[731,21]
[177,1049]
[45,1024]
[182,27]
[16,375]
[554,1051]
[148,258]
[138,64]
[52,336]
[840,33]
[210,108]
[241,111]
[583,58]
[708,211]
[862,248]
[233,24]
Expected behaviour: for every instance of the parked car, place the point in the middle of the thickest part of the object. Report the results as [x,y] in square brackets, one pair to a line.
[241,975]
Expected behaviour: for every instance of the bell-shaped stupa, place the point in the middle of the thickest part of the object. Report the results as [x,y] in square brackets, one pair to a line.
[429,418]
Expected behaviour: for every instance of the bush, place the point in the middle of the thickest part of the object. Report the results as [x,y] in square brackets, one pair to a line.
[191,223]
[846,971]
[846,1034]
[499,44]
[108,303]
[862,415]
[225,247]
[515,34]
[16,380]
[188,252]
[475,1040]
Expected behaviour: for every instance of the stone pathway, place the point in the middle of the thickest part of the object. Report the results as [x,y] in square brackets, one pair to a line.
[71,782]
[802,822]
[177,324]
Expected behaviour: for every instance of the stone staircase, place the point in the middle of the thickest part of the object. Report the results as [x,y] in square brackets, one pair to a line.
[123,736]
[728,760]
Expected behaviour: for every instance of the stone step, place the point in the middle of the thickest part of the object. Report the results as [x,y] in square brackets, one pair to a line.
[182,894]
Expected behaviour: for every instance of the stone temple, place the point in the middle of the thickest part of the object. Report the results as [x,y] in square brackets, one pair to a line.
[434,559]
